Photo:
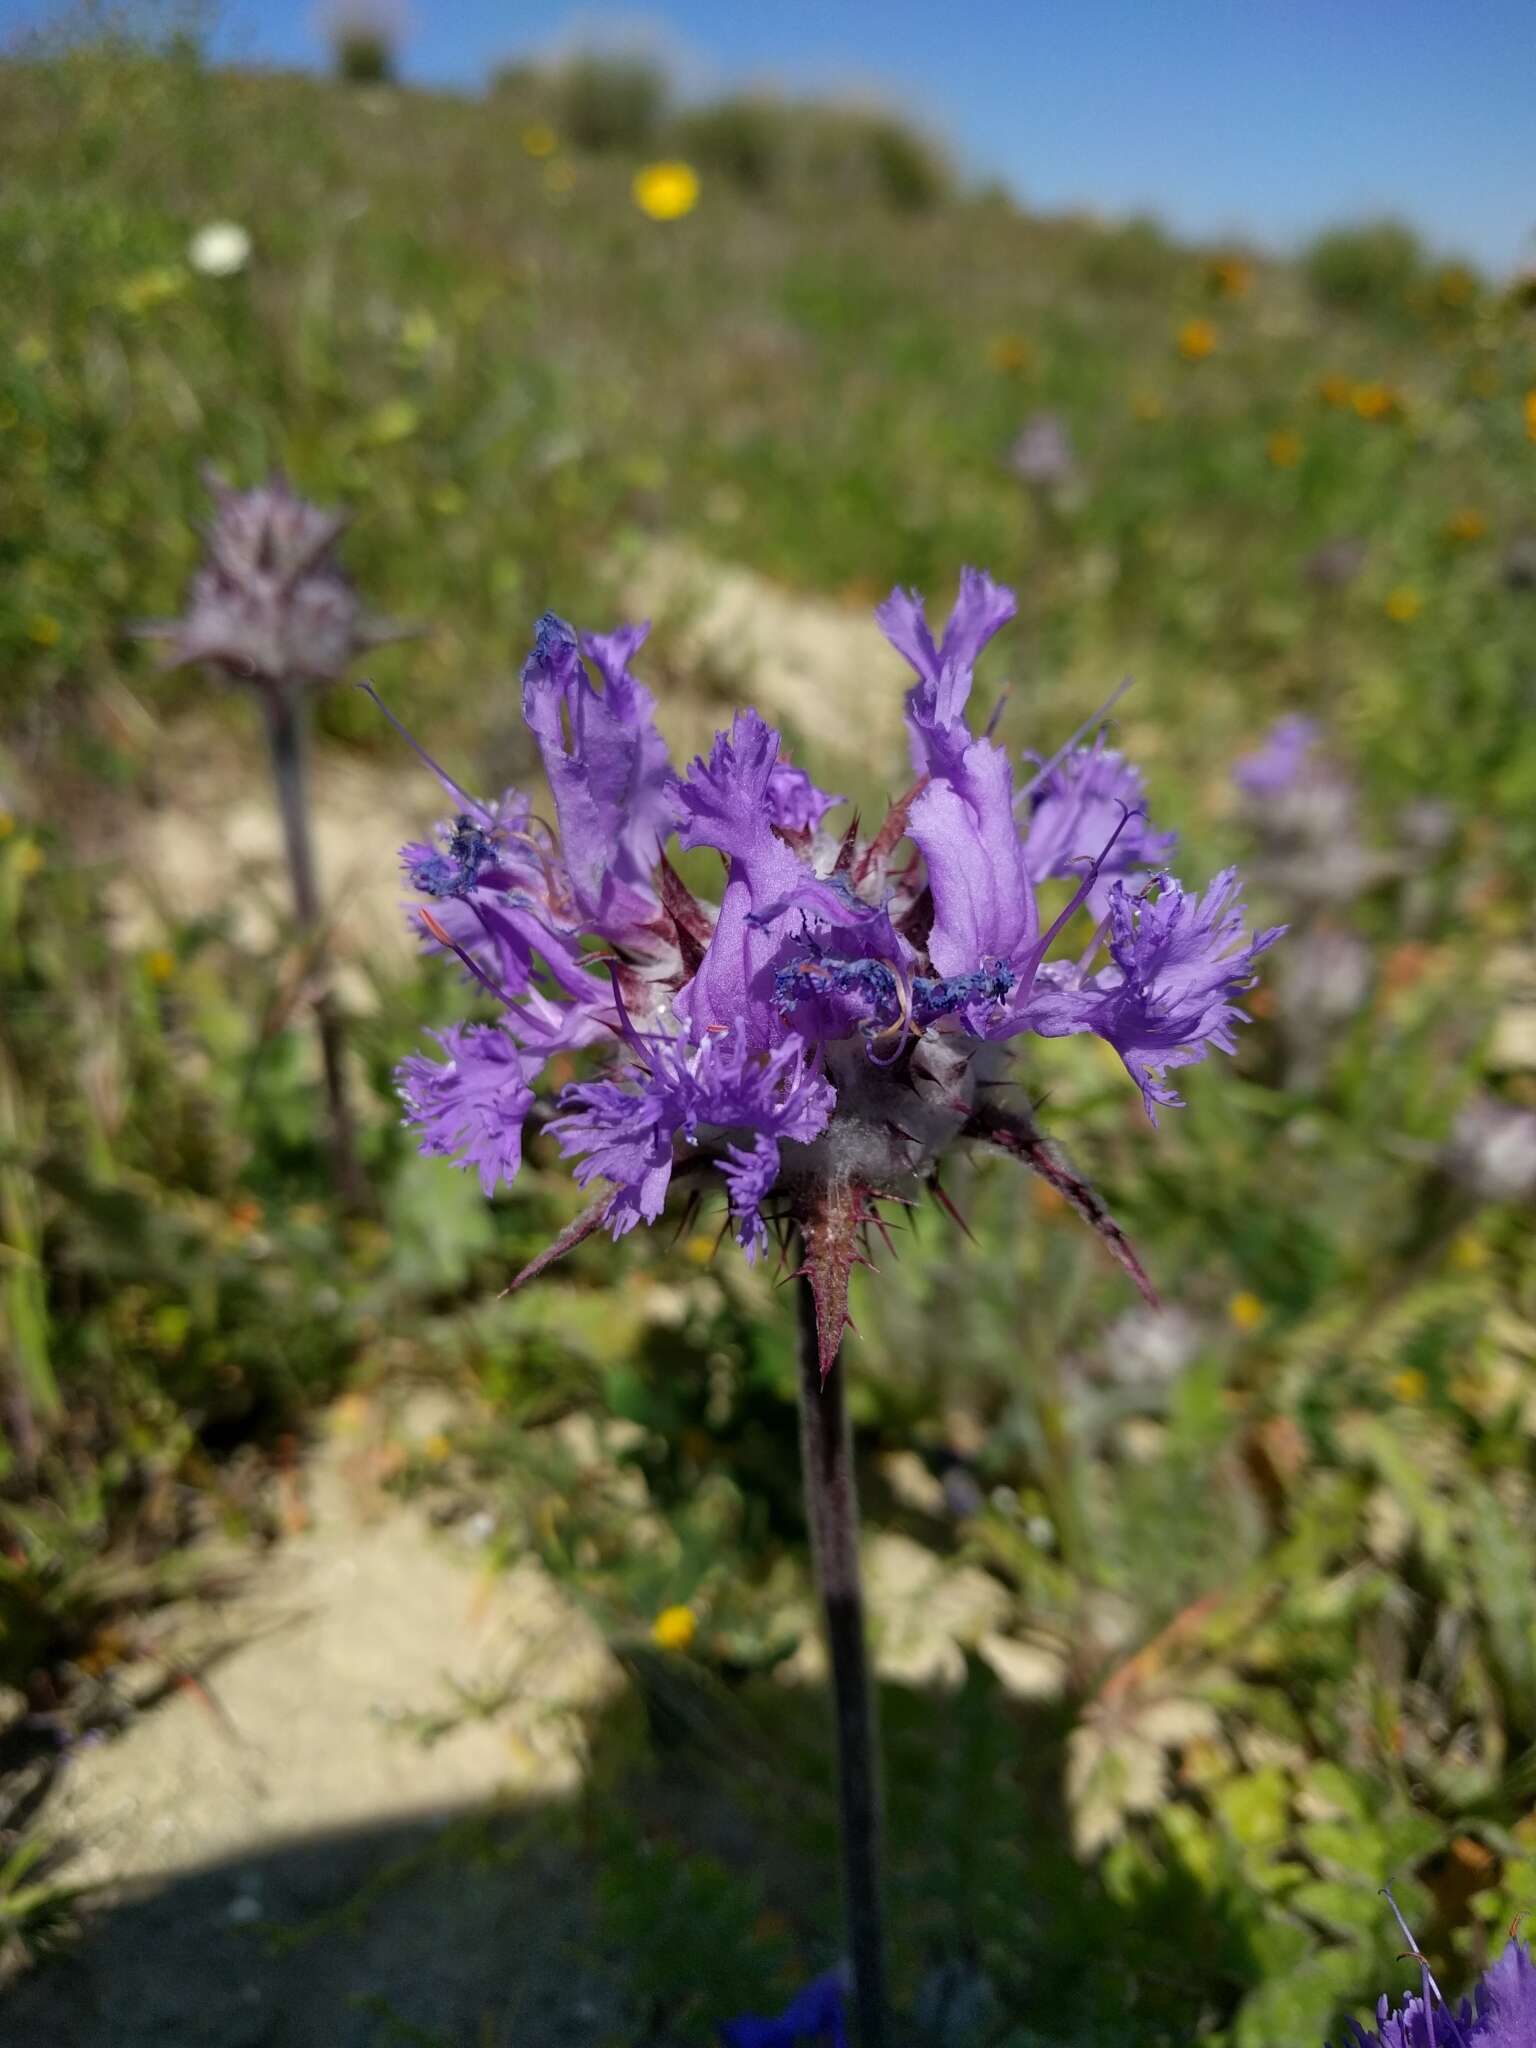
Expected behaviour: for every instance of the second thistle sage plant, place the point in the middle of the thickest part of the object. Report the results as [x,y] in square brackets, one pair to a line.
[821,1037]
[271,607]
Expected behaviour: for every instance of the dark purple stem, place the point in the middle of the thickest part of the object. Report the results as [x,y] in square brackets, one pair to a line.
[287,719]
[832,1509]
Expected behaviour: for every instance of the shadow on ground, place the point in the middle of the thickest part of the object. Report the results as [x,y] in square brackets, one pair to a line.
[694,1877]
[473,1929]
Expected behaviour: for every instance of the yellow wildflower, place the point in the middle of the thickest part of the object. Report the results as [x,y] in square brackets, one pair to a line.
[539,139]
[1530,415]
[1466,523]
[44,629]
[1230,277]
[1197,339]
[1010,354]
[1335,390]
[666,191]
[1404,604]
[160,964]
[674,1628]
[1283,448]
[436,1448]
[29,859]
[1375,401]
[1409,1384]
[1245,1311]
[699,1249]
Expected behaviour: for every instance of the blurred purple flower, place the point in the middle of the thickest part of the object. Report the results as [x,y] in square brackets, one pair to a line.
[1520,563]
[1090,799]
[821,1037]
[1281,763]
[1492,1153]
[1304,813]
[1325,980]
[1042,456]
[270,604]
[1336,564]
[816,2018]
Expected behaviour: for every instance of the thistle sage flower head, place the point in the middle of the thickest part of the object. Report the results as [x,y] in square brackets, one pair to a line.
[822,1035]
[270,603]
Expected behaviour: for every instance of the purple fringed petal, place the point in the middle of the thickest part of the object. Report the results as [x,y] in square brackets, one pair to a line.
[607,766]
[724,804]
[936,704]
[749,1173]
[626,1130]
[1505,2001]
[471,1110]
[795,804]
[622,1135]
[983,904]
[1077,809]
[1177,964]
[1501,2013]
[963,823]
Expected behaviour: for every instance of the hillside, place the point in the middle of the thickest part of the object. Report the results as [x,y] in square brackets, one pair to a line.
[517,380]
[1220,1619]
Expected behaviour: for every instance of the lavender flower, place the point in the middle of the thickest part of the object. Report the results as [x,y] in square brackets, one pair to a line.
[1336,564]
[270,604]
[814,2018]
[1077,806]
[1492,1153]
[1304,812]
[825,1033]
[1280,765]
[1042,456]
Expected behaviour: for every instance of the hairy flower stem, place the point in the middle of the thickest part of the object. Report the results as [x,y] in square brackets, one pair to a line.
[286,716]
[832,1509]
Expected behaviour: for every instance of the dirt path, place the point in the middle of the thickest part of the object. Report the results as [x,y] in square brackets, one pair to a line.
[359,1824]
[281,1843]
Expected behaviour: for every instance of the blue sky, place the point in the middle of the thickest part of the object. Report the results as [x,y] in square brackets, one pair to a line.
[1264,117]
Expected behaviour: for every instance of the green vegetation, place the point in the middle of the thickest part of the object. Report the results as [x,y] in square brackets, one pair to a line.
[1279,1570]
